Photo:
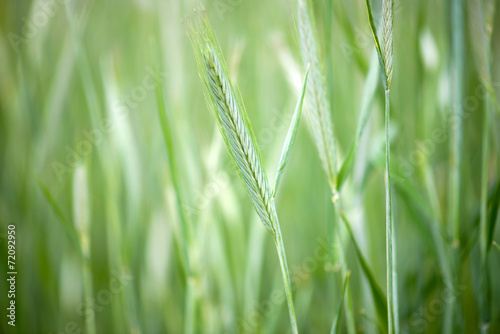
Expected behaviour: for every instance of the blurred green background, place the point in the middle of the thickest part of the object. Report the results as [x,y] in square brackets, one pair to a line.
[88,180]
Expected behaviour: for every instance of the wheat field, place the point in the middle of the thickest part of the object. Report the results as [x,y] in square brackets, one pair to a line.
[236,166]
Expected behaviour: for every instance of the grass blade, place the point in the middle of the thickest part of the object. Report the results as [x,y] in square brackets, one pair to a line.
[186,227]
[338,317]
[349,32]
[364,114]
[68,227]
[81,218]
[495,205]
[379,298]
[290,136]
[377,45]
[456,140]
[481,20]
[486,227]
[474,234]
[187,241]
[373,321]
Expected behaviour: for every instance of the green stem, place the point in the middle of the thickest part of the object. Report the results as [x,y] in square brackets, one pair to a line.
[190,307]
[90,327]
[187,247]
[485,299]
[456,142]
[339,233]
[280,247]
[390,244]
[456,148]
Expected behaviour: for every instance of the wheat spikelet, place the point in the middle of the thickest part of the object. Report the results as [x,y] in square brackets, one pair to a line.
[316,98]
[225,104]
[387,22]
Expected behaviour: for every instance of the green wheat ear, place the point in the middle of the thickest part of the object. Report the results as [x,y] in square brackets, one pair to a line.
[225,104]
[227,107]
[318,106]
[384,52]
[387,35]
[385,60]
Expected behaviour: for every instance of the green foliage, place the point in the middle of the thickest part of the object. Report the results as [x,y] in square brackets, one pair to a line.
[131,218]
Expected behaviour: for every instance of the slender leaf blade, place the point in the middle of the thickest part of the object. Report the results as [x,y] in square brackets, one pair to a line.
[364,114]
[338,317]
[377,44]
[290,136]
[378,296]
[66,224]
[373,321]
[493,215]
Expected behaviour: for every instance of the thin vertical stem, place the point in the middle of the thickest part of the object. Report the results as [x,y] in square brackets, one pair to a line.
[280,247]
[90,327]
[483,239]
[339,236]
[485,289]
[190,306]
[456,142]
[456,146]
[391,267]
[187,240]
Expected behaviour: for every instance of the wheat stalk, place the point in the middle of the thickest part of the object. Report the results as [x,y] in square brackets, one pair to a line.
[81,217]
[322,129]
[385,54]
[484,15]
[226,106]
[455,185]
[392,287]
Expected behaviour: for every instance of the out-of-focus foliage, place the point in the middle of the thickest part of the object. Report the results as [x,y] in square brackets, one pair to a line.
[107,208]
